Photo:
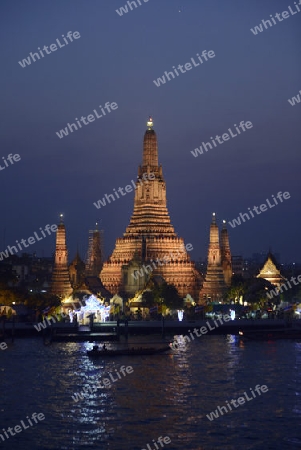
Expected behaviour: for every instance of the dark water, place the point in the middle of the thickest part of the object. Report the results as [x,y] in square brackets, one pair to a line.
[166,395]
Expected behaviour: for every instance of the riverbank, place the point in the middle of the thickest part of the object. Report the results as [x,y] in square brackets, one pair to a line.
[23,330]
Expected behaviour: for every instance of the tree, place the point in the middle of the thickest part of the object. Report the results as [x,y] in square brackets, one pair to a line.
[171,297]
[41,301]
[237,289]
[163,294]
[257,289]
[148,299]
[7,297]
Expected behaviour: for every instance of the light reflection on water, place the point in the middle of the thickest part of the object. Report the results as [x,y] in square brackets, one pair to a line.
[166,395]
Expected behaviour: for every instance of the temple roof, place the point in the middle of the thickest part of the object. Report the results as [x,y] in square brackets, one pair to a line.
[270,265]
[77,260]
[95,285]
[270,270]
[150,146]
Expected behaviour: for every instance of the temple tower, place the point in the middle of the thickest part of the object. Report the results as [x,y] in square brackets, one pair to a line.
[77,271]
[150,215]
[226,255]
[150,235]
[95,253]
[60,283]
[214,285]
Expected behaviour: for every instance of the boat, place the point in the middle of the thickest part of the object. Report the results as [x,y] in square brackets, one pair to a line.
[133,351]
[270,334]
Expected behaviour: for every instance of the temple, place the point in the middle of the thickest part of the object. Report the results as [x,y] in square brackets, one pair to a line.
[271,272]
[77,271]
[60,283]
[219,267]
[226,255]
[150,247]
[95,253]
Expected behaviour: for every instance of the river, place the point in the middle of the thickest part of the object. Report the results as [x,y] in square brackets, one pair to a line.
[165,395]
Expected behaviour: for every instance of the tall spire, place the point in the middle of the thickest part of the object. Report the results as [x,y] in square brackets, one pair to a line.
[214,285]
[150,213]
[60,283]
[150,123]
[226,254]
[149,236]
[94,259]
[214,241]
[150,146]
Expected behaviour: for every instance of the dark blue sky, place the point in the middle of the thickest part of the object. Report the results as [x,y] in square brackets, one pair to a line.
[116,60]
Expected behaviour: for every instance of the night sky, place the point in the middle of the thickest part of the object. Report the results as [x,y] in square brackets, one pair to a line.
[116,59]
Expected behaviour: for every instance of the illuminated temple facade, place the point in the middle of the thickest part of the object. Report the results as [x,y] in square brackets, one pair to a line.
[150,236]
[219,267]
[60,283]
[271,272]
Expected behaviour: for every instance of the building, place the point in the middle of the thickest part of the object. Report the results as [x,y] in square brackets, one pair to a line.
[77,271]
[237,265]
[271,272]
[150,246]
[94,259]
[60,283]
[226,255]
[219,266]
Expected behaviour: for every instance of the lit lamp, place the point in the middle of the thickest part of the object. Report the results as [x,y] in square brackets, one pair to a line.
[150,123]
[180,315]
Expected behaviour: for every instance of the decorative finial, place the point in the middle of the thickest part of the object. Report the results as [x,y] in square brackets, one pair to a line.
[213,217]
[61,218]
[150,123]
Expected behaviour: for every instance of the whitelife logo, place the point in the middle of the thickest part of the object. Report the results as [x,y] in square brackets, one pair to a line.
[223,138]
[161,440]
[124,9]
[188,66]
[53,48]
[241,401]
[11,158]
[284,14]
[31,240]
[128,188]
[203,330]
[293,101]
[165,260]
[274,292]
[90,119]
[3,346]
[17,429]
[263,208]
[106,383]
[57,317]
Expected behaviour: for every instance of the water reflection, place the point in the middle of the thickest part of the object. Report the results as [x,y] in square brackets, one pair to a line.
[165,395]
